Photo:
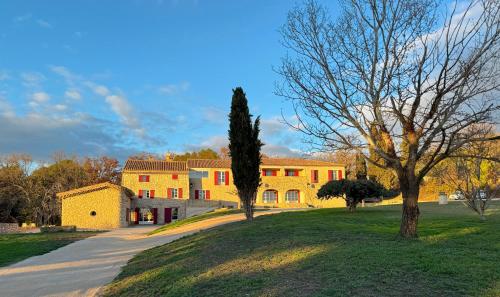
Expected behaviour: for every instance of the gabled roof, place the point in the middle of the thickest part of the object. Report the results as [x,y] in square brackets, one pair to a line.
[155,165]
[208,163]
[92,188]
[205,163]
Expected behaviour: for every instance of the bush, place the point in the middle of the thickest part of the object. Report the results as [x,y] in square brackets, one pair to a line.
[53,229]
[352,192]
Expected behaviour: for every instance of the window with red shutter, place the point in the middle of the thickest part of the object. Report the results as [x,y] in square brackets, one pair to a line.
[179,192]
[169,193]
[140,194]
[207,194]
[275,172]
[227,178]
[330,175]
[151,194]
[216,178]
[340,174]
[175,176]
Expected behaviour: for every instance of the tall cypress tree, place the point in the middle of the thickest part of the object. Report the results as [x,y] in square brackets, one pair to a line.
[361,170]
[244,148]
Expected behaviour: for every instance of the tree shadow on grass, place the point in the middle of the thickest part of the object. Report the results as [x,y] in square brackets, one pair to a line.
[276,256]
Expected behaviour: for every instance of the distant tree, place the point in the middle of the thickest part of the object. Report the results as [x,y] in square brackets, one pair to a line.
[391,72]
[244,147]
[361,170]
[344,157]
[103,169]
[146,156]
[352,191]
[201,154]
[224,153]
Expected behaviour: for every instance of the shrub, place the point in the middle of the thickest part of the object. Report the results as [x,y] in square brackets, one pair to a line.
[352,192]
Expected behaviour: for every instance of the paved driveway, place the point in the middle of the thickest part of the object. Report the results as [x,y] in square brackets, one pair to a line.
[83,267]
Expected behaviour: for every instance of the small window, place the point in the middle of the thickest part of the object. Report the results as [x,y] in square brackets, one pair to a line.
[292,196]
[221,177]
[175,176]
[314,176]
[93,213]
[291,172]
[269,196]
[174,193]
[143,178]
[175,213]
[145,194]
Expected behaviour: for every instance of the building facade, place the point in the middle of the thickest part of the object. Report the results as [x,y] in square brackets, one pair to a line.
[173,184]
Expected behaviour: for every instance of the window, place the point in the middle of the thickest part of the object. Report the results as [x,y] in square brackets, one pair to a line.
[144,194]
[175,176]
[143,178]
[202,194]
[292,196]
[333,175]
[174,193]
[175,213]
[314,176]
[269,172]
[221,177]
[270,196]
[291,172]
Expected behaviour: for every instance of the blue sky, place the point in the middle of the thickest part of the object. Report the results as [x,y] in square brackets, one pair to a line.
[118,77]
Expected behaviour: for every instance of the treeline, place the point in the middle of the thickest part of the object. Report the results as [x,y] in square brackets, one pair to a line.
[28,188]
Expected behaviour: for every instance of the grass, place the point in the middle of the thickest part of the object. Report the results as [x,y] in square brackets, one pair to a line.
[326,252]
[197,218]
[17,247]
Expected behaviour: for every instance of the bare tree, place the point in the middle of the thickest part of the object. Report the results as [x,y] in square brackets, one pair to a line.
[394,76]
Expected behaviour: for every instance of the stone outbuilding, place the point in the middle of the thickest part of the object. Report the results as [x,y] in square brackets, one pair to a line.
[99,207]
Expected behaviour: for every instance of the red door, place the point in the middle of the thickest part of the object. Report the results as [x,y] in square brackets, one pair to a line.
[168,215]
[136,216]
[155,216]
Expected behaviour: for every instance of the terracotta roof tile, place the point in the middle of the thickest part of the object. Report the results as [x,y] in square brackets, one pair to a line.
[204,163]
[155,165]
[89,189]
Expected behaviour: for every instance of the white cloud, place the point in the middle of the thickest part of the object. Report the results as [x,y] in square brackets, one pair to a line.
[4,75]
[214,115]
[32,79]
[98,89]
[23,17]
[40,97]
[124,110]
[60,107]
[72,94]
[44,23]
[5,108]
[171,89]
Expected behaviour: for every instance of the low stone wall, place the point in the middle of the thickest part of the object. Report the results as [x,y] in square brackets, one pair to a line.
[9,228]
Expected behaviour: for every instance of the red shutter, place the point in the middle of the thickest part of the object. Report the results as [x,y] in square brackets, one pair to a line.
[276,192]
[216,180]
[296,173]
[169,193]
[275,172]
[263,172]
[152,194]
[340,174]
[168,215]
[136,215]
[147,178]
[298,196]
[330,175]
[140,194]
[179,192]
[175,176]
[312,177]
[140,178]
[196,194]
[207,195]
[155,216]
[227,178]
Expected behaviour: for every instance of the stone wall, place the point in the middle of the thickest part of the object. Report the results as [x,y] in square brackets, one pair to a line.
[9,228]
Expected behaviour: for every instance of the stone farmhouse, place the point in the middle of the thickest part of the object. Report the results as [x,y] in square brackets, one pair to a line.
[162,191]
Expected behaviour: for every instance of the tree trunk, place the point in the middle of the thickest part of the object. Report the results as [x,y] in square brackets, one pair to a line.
[409,220]
[249,206]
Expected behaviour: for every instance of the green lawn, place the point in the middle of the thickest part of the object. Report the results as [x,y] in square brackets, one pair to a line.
[326,252]
[17,247]
[197,218]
